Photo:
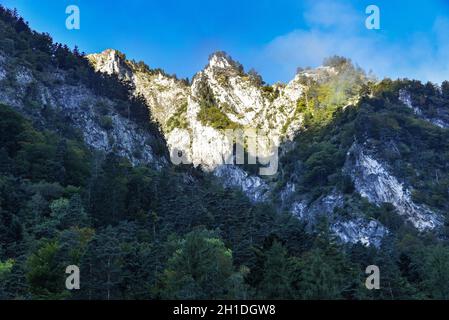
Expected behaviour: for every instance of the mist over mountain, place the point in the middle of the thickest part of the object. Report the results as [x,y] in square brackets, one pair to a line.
[87,178]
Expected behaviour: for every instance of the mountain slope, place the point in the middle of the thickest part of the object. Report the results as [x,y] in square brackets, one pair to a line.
[62,85]
[223,96]
[86,179]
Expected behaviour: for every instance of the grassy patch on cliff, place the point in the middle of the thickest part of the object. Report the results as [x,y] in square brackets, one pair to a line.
[213,116]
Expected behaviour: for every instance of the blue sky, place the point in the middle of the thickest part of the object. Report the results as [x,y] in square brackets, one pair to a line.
[274,37]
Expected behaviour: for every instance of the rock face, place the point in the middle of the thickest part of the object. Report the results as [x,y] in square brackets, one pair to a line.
[237,96]
[112,62]
[360,231]
[440,120]
[106,130]
[253,186]
[351,229]
[163,93]
[373,181]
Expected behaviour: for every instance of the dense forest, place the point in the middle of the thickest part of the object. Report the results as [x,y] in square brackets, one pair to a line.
[137,232]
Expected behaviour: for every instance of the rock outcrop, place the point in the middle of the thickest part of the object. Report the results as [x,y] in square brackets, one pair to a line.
[241,101]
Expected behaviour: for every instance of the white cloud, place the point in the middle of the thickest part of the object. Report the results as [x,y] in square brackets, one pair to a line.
[331,14]
[337,28]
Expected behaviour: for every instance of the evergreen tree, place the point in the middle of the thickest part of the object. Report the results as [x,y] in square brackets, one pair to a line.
[101,267]
[45,273]
[275,283]
[200,268]
[435,272]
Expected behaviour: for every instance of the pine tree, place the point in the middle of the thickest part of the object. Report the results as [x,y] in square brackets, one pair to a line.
[275,283]
[102,267]
[200,268]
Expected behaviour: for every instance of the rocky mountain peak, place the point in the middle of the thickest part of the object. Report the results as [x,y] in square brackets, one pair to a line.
[221,60]
[320,74]
[111,61]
